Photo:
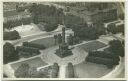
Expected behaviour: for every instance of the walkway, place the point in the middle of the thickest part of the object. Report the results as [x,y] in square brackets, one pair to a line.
[62,71]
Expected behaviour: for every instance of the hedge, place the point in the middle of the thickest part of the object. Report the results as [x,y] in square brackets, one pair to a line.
[55,71]
[34,45]
[103,54]
[27,49]
[70,71]
[9,53]
[12,35]
[25,54]
[104,61]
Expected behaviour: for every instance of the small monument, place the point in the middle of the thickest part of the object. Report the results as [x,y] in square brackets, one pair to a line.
[63,50]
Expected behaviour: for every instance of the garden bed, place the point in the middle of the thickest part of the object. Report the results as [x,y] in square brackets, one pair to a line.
[35,62]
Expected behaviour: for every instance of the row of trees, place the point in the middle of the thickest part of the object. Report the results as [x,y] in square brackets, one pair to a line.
[117,47]
[109,57]
[105,61]
[104,54]
[27,49]
[17,22]
[81,29]
[26,71]
[88,33]
[53,16]
[46,13]
[9,53]
[102,57]
[50,26]
[71,40]
[55,71]
[115,29]
[70,71]
[12,35]
[58,39]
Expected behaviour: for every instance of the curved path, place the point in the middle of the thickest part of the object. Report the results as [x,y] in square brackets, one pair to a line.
[49,56]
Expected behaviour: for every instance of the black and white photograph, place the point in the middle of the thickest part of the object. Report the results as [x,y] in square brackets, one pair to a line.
[63,39]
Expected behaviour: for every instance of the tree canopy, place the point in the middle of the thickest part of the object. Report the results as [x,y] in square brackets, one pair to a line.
[9,53]
[22,71]
[116,47]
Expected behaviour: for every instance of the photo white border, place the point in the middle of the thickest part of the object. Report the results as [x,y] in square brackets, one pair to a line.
[1,39]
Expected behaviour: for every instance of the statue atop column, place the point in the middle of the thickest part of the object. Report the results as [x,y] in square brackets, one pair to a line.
[63,35]
[63,49]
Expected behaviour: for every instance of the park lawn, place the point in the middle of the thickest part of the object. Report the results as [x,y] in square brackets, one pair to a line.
[34,62]
[94,45]
[47,42]
[26,30]
[90,70]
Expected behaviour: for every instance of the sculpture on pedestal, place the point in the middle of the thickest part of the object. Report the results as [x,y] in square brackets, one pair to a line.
[63,50]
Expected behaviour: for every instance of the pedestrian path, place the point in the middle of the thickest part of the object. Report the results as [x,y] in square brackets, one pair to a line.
[62,71]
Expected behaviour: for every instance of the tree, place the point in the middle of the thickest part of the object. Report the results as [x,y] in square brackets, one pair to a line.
[55,38]
[112,28]
[54,71]
[59,39]
[9,53]
[50,26]
[22,71]
[71,20]
[100,29]
[86,33]
[70,39]
[105,54]
[76,40]
[32,72]
[45,12]
[70,71]
[121,16]
[27,49]
[105,61]
[116,47]
[34,10]
[120,29]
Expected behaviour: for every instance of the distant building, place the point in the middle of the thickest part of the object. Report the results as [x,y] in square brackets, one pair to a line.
[106,15]
[18,11]
[102,16]
[16,17]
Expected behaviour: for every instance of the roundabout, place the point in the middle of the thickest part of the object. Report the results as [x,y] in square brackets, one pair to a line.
[50,57]
[82,68]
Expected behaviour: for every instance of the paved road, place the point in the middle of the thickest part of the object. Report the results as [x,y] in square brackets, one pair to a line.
[62,71]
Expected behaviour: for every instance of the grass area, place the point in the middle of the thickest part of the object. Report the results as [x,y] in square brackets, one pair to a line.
[94,45]
[90,70]
[35,62]
[47,42]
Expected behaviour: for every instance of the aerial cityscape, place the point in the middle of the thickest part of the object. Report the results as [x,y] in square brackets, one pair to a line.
[63,40]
